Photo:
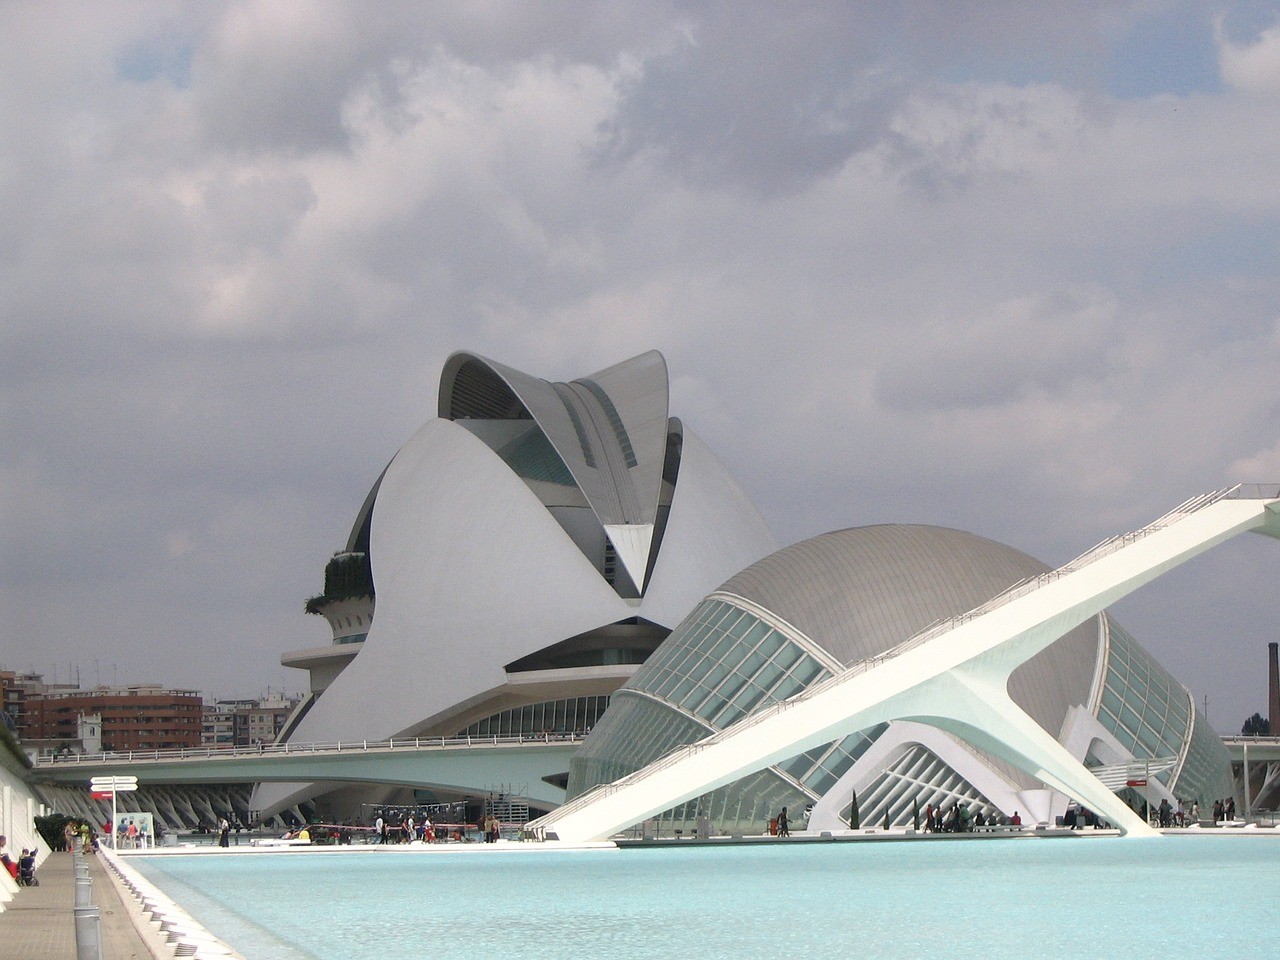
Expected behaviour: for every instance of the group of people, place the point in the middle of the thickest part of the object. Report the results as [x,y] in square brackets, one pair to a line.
[492,829]
[406,832]
[960,819]
[79,832]
[1077,818]
[410,830]
[130,835]
[1224,809]
[23,870]
[1166,814]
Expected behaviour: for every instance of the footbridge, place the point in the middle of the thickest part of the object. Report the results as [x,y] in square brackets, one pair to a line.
[1256,765]
[953,675]
[459,764]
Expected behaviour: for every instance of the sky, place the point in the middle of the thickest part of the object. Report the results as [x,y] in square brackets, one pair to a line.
[1009,267]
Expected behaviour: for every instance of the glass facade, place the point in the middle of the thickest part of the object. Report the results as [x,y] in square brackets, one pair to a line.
[1153,715]
[720,665]
[571,715]
[1205,773]
[1143,706]
[906,789]
[725,662]
[532,457]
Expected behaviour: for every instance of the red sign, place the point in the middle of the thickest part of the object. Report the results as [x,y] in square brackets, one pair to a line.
[1135,783]
[102,794]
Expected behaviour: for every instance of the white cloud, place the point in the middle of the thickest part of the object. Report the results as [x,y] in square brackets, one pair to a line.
[1261,467]
[1251,67]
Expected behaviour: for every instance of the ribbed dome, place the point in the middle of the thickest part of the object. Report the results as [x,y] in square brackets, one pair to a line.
[860,591]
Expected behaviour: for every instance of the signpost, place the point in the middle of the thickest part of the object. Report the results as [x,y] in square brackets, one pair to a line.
[102,787]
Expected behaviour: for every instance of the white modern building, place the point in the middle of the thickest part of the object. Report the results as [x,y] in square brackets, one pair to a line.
[517,561]
[812,610]
[549,558]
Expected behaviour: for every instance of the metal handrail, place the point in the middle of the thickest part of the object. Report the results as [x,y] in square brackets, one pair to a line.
[293,749]
[1256,491]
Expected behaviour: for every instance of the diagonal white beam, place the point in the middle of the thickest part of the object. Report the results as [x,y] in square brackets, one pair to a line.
[982,713]
[978,650]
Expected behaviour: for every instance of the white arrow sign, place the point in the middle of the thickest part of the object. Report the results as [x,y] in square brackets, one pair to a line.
[123,784]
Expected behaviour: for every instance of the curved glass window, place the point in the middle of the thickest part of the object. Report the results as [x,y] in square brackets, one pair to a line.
[1143,706]
[571,715]
[720,665]
[723,663]
[1205,775]
[532,457]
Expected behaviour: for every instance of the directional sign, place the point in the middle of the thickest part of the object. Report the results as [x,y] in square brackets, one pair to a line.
[116,784]
[102,794]
[104,787]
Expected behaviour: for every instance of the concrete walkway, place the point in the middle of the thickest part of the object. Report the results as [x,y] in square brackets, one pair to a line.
[39,923]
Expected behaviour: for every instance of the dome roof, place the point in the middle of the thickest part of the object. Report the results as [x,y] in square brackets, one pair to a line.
[860,591]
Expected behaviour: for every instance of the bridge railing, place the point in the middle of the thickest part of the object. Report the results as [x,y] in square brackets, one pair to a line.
[295,749]
[1255,491]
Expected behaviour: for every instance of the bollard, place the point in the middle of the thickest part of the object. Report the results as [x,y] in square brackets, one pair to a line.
[84,892]
[88,934]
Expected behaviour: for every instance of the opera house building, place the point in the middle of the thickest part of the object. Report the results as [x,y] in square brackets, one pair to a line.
[568,557]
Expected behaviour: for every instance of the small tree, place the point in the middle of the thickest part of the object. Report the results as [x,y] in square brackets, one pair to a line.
[1256,726]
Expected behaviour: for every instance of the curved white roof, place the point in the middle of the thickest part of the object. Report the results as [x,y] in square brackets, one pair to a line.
[860,591]
[473,571]
[609,430]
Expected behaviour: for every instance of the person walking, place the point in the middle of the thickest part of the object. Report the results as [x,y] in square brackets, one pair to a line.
[784,824]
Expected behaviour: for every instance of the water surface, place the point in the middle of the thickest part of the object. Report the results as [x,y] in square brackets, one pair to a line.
[1072,898]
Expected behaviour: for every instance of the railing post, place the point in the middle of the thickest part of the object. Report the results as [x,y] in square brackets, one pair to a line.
[88,933]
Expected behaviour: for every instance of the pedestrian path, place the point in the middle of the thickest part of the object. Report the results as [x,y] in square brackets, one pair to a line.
[39,922]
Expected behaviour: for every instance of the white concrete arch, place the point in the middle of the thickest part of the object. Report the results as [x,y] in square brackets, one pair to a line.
[954,676]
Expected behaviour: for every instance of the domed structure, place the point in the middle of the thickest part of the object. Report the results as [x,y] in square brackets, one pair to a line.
[518,559]
[811,610]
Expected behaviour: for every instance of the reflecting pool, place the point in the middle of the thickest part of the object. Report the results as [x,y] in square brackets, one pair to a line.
[1203,897]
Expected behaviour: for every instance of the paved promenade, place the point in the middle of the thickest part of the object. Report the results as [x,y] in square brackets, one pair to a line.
[39,923]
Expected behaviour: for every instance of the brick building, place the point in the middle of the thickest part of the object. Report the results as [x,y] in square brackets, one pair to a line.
[143,717]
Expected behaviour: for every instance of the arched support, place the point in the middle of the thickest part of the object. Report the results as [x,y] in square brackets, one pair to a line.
[956,673]
[981,713]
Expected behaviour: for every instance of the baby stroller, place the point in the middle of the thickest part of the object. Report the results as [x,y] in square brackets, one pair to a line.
[27,870]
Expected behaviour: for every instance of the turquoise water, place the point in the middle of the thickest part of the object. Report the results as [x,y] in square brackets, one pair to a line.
[1075,898]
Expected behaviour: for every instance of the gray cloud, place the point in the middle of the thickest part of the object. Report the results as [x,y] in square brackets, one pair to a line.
[898,274]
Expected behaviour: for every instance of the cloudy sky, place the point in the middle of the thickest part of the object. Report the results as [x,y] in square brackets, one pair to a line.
[1012,267]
